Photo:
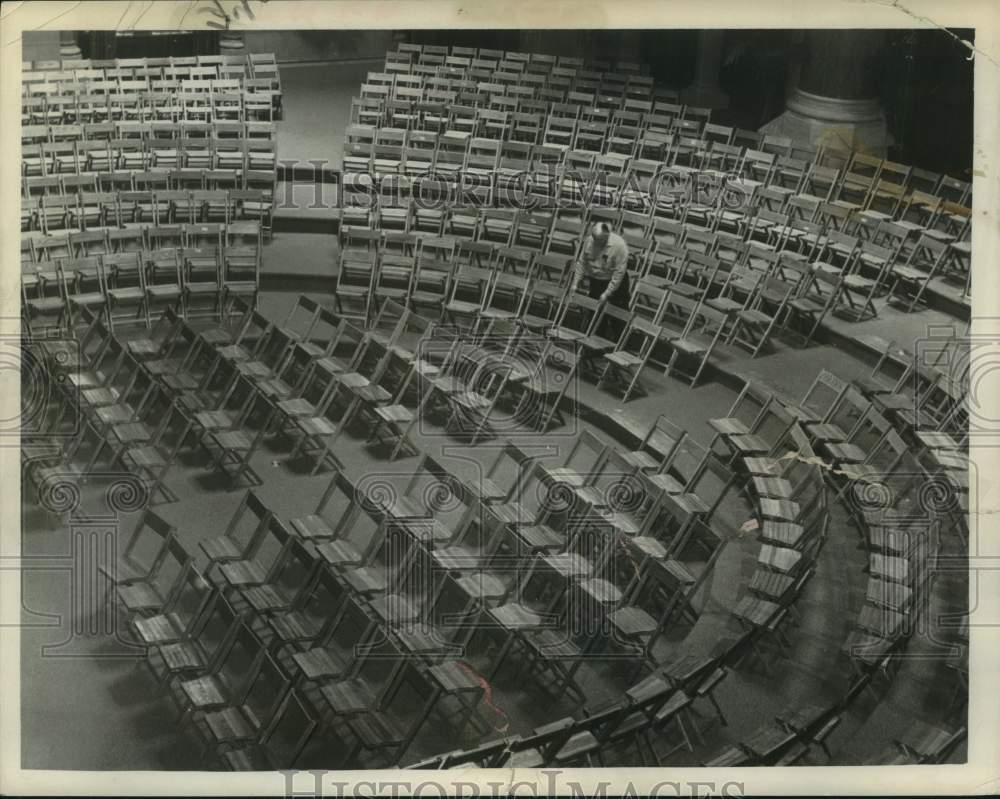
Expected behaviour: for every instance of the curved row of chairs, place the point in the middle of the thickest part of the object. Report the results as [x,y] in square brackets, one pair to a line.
[682,530]
[128,275]
[589,735]
[54,89]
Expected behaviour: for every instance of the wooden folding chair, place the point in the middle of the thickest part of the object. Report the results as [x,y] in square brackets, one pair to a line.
[625,366]
[910,281]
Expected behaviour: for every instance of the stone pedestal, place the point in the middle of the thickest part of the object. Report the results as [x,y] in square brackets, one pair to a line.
[231,43]
[68,48]
[835,101]
[831,122]
[704,90]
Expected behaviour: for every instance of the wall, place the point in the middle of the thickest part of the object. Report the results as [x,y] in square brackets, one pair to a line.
[319,45]
[40,45]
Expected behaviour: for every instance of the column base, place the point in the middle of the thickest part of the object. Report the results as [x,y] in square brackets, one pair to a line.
[68,48]
[705,97]
[832,122]
[231,43]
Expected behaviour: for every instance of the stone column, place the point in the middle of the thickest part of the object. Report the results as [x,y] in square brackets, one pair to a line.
[68,47]
[835,102]
[231,43]
[704,90]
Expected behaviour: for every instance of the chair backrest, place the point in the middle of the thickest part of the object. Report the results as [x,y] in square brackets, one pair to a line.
[288,731]
[148,544]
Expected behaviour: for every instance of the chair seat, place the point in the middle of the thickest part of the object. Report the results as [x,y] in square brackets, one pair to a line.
[266,598]
[233,352]
[230,725]
[689,346]
[377,730]
[100,396]
[148,457]
[294,627]
[243,572]
[349,696]
[775,487]
[232,440]
[459,306]
[786,534]
[316,426]
[216,420]
[394,414]
[331,365]
[848,453]
[164,291]
[779,509]
[88,300]
[371,393]
[781,559]
[297,407]
[137,597]
[143,347]
[641,460]
[496,313]
[312,527]
[825,432]
[526,758]
[858,283]
[754,317]
[182,656]
[725,304]
[539,536]
[366,580]
[274,388]
[319,664]
[129,293]
[340,553]
[160,629]
[597,344]
[909,273]
[729,426]
[47,304]
[806,305]
[133,432]
[221,549]
[580,744]
[254,369]
[623,359]
[633,622]
[749,444]
[205,692]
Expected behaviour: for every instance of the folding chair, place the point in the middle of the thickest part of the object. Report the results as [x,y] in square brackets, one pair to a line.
[85,287]
[149,595]
[473,283]
[698,338]
[754,323]
[152,461]
[232,450]
[355,282]
[625,366]
[819,294]
[281,740]
[910,281]
[144,551]
[125,276]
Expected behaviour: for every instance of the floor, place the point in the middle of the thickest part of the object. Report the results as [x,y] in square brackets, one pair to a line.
[71,640]
[79,675]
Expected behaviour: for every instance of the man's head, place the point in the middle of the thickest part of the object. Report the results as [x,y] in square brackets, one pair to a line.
[600,233]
